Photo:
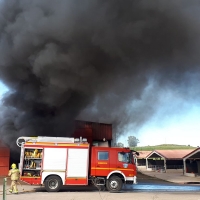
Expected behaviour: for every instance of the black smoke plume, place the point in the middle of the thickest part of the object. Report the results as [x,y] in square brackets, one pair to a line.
[93,60]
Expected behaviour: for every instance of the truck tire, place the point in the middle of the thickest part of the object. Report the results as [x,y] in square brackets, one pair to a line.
[53,184]
[114,184]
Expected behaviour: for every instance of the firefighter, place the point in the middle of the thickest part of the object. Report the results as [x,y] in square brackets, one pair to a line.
[14,176]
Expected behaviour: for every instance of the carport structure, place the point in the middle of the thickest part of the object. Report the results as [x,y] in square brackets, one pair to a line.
[191,163]
[166,159]
[140,160]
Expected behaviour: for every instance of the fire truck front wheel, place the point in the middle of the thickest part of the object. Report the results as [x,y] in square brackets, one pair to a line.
[114,184]
[53,184]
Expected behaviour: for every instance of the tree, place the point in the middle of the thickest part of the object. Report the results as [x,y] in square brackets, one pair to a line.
[132,141]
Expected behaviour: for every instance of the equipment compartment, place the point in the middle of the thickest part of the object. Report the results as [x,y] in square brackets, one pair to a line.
[32,162]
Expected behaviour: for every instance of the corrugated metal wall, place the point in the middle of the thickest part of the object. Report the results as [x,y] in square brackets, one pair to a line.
[99,130]
[4,160]
[84,133]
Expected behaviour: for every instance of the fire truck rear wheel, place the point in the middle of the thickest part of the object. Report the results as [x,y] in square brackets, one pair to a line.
[114,184]
[53,184]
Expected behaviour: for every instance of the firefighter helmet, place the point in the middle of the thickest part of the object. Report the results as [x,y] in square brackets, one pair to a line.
[13,166]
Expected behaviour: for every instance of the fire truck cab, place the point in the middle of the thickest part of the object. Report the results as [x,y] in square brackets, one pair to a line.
[57,161]
[112,167]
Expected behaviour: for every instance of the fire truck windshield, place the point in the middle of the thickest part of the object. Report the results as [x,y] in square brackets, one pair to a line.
[124,157]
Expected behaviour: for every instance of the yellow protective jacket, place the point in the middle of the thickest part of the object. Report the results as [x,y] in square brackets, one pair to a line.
[14,174]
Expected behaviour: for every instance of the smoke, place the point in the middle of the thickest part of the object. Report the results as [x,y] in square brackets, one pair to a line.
[95,60]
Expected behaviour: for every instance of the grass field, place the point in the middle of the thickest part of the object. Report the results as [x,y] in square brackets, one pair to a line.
[163,147]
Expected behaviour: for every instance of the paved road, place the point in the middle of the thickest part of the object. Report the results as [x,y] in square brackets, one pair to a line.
[94,195]
[148,188]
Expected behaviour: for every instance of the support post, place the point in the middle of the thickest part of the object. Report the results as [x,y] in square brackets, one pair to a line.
[4,188]
[184,166]
[165,165]
[147,164]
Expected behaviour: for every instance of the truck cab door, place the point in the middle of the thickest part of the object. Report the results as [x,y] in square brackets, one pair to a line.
[102,163]
[125,164]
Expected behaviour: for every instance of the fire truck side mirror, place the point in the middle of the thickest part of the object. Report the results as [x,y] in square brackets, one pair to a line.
[137,153]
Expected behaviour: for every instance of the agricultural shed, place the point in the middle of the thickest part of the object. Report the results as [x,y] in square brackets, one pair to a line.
[141,159]
[166,159]
[191,163]
[4,159]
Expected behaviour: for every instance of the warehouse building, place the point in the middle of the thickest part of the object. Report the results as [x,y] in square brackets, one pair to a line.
[98,134]
[4,159]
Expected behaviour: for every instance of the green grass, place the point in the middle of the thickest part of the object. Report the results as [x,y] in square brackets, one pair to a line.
[162,147]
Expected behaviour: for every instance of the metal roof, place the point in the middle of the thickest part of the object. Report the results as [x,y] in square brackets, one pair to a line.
[170,154]
[143,154]
[194,154]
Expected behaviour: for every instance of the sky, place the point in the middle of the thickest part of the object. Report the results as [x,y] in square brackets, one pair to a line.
[182,129]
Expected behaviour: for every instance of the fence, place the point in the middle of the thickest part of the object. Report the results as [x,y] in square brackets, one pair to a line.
[157,168]
[161,168]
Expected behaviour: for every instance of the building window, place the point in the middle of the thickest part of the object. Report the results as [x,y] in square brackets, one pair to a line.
[102,155]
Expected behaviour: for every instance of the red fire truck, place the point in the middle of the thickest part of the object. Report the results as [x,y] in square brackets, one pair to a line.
[57,161]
